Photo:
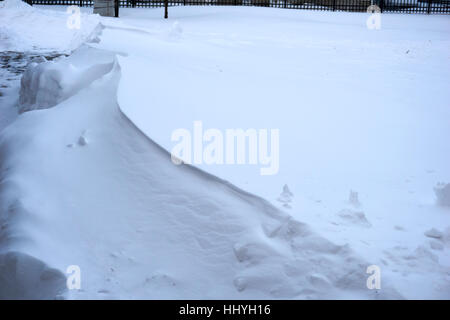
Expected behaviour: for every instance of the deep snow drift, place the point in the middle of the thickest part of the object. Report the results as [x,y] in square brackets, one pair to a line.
[132,226]
[86,180]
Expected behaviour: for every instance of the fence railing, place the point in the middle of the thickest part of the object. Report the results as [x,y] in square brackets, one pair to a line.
[401,6]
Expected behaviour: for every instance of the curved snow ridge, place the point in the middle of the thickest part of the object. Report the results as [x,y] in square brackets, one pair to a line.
[82,185]
[45,84]
[305,255]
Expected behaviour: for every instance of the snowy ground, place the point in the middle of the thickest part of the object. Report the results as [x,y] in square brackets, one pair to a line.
[88,180]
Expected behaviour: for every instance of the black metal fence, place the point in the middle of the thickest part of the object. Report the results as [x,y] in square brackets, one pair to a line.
[401,6]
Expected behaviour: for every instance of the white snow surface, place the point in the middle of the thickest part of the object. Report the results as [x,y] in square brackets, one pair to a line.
[26,28]
[364,126]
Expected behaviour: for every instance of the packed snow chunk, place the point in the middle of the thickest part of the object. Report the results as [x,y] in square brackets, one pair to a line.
[82,141]
[353,215]
[16,5]
[286,197]
[25,277]
[44,85]
[63,30]
[442,191]
[40,87]
[353,198]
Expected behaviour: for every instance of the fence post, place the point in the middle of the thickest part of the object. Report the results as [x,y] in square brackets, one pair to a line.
[334,5]
[381,6]
[429,7]
[116,8]
[81,3]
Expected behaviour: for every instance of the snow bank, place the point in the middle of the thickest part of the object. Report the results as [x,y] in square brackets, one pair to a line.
[122,211]
[16,5]
[22,28]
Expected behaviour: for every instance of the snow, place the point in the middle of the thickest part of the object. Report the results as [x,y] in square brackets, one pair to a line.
[87,177]
[29,34]
[21,28]
[46,84]
[442,191]
[131,227]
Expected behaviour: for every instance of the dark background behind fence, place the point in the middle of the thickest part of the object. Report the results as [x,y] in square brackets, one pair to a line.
[401,6]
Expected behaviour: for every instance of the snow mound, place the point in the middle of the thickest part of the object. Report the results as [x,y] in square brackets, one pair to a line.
[43,85]
[129,218]
[17,35]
